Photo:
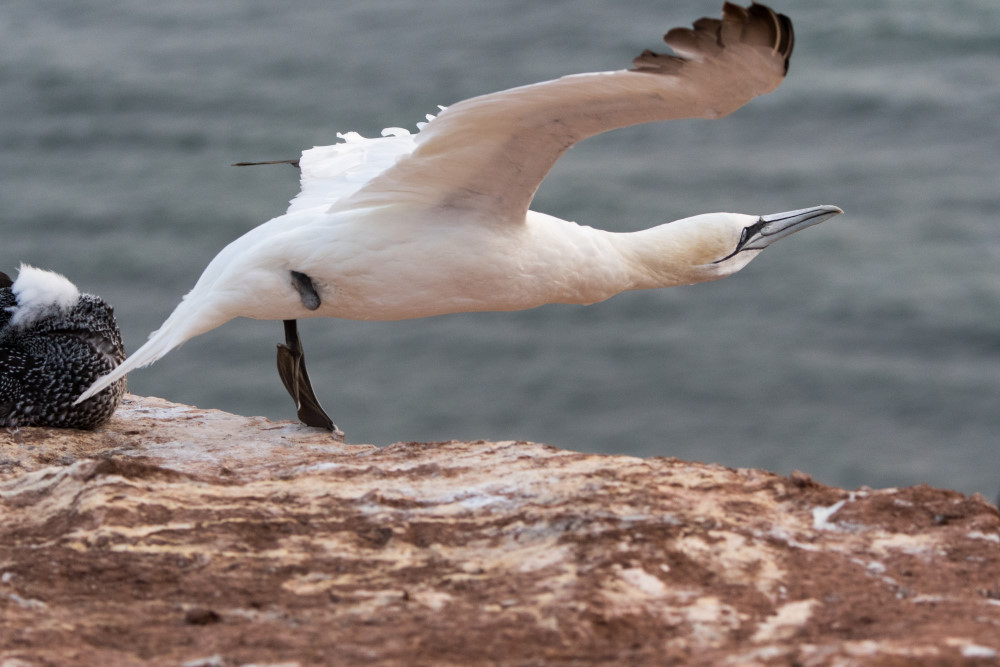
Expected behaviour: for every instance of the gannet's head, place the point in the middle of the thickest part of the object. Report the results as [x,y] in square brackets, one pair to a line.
[730,240]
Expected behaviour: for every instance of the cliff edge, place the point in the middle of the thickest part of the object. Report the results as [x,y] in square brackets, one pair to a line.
[181,536]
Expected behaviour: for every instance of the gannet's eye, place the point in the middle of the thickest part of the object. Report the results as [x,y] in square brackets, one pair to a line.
[749,232]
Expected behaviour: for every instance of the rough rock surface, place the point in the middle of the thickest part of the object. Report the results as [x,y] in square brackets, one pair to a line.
[180,536]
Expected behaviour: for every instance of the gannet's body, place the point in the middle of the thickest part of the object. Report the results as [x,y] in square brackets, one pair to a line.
[395,264]
[408,226]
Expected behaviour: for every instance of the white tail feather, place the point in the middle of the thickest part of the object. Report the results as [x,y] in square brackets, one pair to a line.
[154,348]
[192,316]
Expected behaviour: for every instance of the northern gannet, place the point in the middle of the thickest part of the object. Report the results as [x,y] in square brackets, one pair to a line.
[414,225]
[55,342]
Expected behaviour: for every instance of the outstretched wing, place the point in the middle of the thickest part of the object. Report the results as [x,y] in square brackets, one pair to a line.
[489,154]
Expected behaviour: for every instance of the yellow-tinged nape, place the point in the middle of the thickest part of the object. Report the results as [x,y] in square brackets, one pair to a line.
[713,245]
[686,251]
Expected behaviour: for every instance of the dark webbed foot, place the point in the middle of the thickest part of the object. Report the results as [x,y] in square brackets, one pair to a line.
[292,369]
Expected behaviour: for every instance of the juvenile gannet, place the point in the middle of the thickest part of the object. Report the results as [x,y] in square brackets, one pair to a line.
[414,225]
[55,342]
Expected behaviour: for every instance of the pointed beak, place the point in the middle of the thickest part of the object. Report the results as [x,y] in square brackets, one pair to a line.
[770,228]
[779,225]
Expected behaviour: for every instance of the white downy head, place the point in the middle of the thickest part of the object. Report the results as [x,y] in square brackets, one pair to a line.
[40,293]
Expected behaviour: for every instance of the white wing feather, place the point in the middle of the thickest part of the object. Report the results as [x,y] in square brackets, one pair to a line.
[486,156]
[332,173]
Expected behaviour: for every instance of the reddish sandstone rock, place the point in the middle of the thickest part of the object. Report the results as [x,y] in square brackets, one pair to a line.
[183,536]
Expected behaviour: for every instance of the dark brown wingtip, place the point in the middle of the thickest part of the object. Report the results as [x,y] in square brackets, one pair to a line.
[661,63]
[788,45]
[757,25]
[770,29]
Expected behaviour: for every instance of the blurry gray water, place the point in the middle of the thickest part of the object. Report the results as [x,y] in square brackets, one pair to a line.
[865,351]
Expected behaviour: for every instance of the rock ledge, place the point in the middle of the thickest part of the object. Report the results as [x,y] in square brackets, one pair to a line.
[176,535]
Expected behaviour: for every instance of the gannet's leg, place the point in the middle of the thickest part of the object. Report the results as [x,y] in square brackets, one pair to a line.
[292,363]
[308,293]
[292,369]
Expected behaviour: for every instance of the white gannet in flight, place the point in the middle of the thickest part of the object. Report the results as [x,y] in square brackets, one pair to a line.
[414,225]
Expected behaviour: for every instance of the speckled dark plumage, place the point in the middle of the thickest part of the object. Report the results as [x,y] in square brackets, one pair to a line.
[47,363]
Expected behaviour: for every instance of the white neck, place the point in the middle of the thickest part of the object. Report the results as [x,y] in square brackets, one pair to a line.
[590,265]
[683,252]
